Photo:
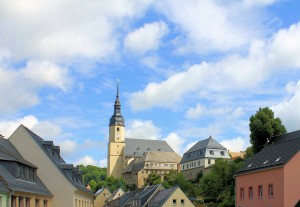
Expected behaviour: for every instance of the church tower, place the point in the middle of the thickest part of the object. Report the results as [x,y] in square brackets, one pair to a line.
[116,145]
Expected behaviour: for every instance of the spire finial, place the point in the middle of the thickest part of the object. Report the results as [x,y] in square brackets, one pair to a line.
[118,82]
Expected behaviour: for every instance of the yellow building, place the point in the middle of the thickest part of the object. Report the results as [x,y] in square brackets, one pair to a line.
[102,196]
[62,179]
[125,151]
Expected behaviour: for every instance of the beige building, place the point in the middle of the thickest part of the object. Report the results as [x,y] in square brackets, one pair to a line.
[200,157]
[62,179]
[169,198]
[159,162]
[126,152]
[102,196]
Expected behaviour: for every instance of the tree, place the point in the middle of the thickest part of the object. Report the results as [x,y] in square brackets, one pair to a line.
[263,126]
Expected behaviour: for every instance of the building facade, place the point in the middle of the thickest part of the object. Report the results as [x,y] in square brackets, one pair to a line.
[271,177]
[19,183]
[200,157]
[62,179]
[123,153]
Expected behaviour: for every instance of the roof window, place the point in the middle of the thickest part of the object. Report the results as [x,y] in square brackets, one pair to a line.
[249,165]
[266,162]
[277,159]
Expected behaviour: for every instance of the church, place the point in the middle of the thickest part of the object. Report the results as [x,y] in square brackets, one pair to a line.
[134,159]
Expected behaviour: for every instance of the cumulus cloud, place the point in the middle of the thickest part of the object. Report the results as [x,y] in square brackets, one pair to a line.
[288,110]
[140,129]
[19,88]
[235,145]
[175,141]
[232,73]
[8,126]
[86,160]
[103,163]
[68,147]
[87,30]
[146,38]
[212,25]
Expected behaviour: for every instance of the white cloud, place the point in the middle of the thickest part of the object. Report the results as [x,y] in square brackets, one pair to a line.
[46,129]
[146,38]
[232,73]
[103,163]
[7,127]
[68,147]
[213,25]
[142,130]
[175,141]
[86,31]
[189,146]
[194,113]
[19,88]
[86,160]
[259,2]
[235,145]
[288,110]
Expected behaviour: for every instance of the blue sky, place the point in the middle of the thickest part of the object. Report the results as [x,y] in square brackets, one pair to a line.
[187,69]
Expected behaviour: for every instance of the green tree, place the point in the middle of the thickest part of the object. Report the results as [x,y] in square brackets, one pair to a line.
[263,125]
[153,179]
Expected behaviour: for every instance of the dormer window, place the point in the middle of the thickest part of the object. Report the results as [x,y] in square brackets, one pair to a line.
[211,152]
[199,152]
[222,153]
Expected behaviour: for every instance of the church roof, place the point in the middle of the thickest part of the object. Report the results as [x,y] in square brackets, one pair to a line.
[139,147]
[276,154]
[210,143]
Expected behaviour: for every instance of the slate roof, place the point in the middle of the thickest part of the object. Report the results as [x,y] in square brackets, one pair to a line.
[125,197]
[3,187]
[59,162]
[276,154]
[143,194]
[152,156]
[161,197]
[202,149]
[9,153]
[138,147]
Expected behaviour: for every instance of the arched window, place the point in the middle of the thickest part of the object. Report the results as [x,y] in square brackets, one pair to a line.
[211,152]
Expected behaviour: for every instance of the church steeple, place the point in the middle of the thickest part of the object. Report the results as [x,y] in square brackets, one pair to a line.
[117,118]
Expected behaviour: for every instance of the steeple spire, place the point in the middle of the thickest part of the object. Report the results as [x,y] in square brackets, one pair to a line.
[117,118]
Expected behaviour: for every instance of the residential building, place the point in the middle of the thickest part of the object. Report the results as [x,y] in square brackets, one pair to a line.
[159,162]
[63,180]
[271,177]
[122,151]
[19,183]
[102,196]
[200,157]
[116,194]
[142,196]
[170,197]
[152,196]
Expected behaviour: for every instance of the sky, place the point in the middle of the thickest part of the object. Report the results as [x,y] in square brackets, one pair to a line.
[187,69]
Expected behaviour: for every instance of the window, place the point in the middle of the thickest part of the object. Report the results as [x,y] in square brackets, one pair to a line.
[260,191]
[209,161]
[18,171]
[21,202]
[242,193]
[198,163]
[118,129]
[37,203]
[45,203]
[271,190]
[182,202]
[199,152]
[211,152]
[27,202]
[183,167]
[222,153]
[174,202]
[250,192]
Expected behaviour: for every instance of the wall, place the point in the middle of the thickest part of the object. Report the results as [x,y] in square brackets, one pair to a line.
[178,195]
[3,199]
[273,176]
[51,176]
[102,197]
[292,181]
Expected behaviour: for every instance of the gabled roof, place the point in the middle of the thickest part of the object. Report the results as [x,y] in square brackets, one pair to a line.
[143,194]
[100,190]
[202,149]
[209,143]
[9,153]
[276,154]
[138,147]
[125,197]
[161,197]
[59,162]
